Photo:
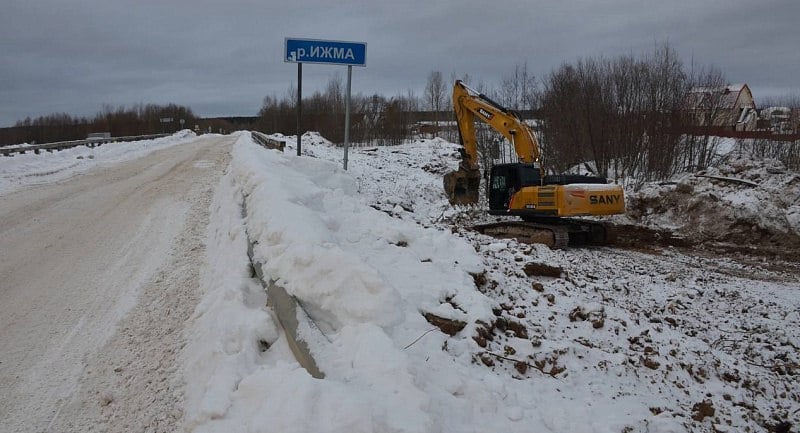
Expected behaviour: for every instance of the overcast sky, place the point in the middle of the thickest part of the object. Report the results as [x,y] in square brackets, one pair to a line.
[222,57]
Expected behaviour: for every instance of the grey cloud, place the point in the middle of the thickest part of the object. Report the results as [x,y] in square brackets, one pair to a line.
[222,58]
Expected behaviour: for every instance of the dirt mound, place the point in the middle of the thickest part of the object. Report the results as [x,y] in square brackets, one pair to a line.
[744,202]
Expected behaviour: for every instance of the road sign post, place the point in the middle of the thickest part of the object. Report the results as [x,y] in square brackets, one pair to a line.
[299,104]
[330,53]
[164,121]
[347,115]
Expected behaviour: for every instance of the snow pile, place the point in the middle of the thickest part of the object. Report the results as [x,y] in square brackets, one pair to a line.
[742,201]
[431,327]
[365,278]
[26,169]
[231,325]
[410,185]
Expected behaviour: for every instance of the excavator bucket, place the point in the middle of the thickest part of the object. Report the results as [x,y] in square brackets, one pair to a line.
[462,186]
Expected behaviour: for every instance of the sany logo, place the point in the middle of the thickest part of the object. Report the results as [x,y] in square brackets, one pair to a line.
[485,113]
[605,199]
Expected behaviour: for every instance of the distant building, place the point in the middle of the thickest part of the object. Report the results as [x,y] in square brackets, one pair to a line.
[778,120]
[98,136]
[729,108]
[796,119]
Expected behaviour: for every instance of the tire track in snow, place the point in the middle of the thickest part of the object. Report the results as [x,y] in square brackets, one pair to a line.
[99,276]
[135,383]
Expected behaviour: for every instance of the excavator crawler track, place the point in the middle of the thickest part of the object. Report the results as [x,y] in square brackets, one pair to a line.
[556,233]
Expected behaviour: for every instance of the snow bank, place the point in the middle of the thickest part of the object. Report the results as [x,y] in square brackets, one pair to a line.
[362,275]
[231,324]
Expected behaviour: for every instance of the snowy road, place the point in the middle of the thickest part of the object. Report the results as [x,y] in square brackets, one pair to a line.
[97,276]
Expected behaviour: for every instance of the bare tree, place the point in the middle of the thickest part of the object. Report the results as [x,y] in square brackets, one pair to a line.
[434,95]
[621,115]
[412,100]
[665,96]
[789,101]
[560,133]
[120,121]
[649,92]
[518,90]
[705,111]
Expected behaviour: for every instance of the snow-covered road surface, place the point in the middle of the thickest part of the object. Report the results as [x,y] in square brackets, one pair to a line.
[97,275]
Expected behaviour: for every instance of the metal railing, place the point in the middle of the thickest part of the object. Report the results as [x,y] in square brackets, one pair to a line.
[269,143]
[60,145]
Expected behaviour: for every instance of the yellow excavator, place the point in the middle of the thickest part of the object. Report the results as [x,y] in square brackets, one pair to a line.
[543,202]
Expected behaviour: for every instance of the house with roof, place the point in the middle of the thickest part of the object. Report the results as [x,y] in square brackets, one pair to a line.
[730,108]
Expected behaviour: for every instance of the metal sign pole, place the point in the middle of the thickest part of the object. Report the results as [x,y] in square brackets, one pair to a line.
[299,102]
[347,114]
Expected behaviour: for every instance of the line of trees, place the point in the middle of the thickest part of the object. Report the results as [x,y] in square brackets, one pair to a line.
[375,119]
[121,121]
[645,118]
[625,114]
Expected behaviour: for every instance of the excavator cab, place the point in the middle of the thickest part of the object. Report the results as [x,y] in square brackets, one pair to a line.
[506,179]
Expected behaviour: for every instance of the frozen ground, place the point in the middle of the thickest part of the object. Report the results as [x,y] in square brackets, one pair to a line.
[428,326]
[750,204]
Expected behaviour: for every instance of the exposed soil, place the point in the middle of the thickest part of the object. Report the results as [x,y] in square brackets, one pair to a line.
[743,207]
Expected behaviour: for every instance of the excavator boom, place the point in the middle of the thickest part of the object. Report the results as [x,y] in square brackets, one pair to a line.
[468,104]
[462,186]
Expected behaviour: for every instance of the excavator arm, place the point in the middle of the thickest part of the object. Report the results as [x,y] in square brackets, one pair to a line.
[469,104]
[462,186]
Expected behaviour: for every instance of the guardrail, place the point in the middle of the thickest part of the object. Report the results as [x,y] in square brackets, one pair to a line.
[269,143]
[299,328]
[60,145]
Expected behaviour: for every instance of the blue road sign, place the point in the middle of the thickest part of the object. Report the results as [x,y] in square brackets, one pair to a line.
[328,52]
